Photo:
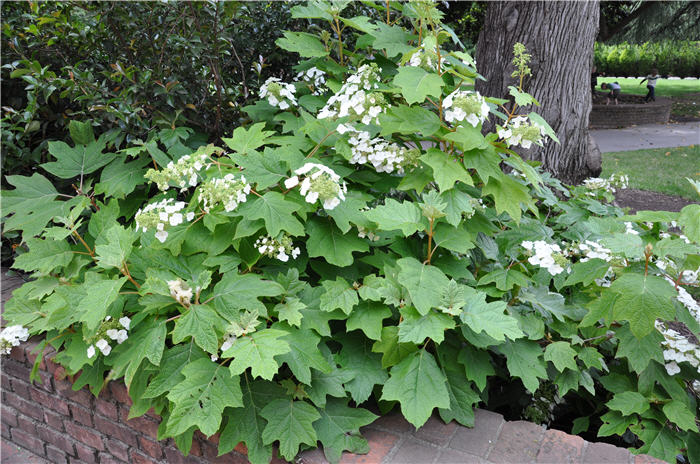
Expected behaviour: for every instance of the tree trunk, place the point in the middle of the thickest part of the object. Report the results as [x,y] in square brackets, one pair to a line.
[560,38]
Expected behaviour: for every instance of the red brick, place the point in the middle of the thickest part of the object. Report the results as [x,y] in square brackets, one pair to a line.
[58,439]
[45,383]
[9,416]
[65,389]
[142,424]
[5,430]
[454,456]
[138,458]
[646,459]
[81,415]
[86,454]
[17,353]
[477,440]
[55,455]
[28,441]
[380,443]
[413,452]
[151,448]
[5,382]
[49,401]
[105,458]
[59,372]
[25,407]
[174,456]
[241,448]
[393,423]
[603,452]
[559,447]
[21,388]
[106,408]
[436,431]
[54,420]
[27,424]
[15,369]
[120,393]
[118,449]
[196,449]
[519,441]
[84,435]
[115,430]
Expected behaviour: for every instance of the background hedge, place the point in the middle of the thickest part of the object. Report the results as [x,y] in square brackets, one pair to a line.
[670,57]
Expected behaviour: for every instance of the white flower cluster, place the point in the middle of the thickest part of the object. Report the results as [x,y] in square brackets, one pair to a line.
[370,235]
[229,340]
[548,256]
[278,93]
[629,229]
[463,105]
[116,331]
[229,191]
[690,277]
[183,173]
[280,249]
[320,183]
[426,57]
[355,98]
[384,156]
[180,291]
[591,250]
[160,216]
[611,185]
[11,336]
[520,131]
[677,348]
[315,78]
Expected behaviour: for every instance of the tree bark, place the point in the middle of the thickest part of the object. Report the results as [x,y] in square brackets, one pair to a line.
[560,37]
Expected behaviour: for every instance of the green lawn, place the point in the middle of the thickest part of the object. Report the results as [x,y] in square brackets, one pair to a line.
[664,87]
[660,170]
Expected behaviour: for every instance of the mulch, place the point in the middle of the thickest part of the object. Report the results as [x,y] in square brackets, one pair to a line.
[638,200]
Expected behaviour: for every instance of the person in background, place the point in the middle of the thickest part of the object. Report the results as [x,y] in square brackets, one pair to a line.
[651,85]
[594,78]
[614,91]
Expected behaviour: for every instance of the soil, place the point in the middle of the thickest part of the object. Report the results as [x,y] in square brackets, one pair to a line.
[638,200]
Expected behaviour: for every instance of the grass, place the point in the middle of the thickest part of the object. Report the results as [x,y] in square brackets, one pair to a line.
[664,87]
[661,170]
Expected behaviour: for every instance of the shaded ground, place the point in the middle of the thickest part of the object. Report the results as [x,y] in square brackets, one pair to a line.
[647,136]
[638,200]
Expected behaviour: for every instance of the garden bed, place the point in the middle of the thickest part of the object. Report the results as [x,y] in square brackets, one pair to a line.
[630,111]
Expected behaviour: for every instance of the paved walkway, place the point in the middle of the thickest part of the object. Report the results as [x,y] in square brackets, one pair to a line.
[647,136]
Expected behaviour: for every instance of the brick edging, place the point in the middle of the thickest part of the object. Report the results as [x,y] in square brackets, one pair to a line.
[630,114]
[65,426]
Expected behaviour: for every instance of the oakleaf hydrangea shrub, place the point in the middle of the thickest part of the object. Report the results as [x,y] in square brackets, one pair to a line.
[360,243]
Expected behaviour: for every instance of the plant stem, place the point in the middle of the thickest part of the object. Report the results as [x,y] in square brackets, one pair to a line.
[125,271]
[318,145]
[90,251]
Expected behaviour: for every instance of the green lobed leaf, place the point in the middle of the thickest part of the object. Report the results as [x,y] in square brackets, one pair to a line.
[415,328]
[423,282]
[245,141]
[305,355]
[338,429]
[405,216]
[325,240]
[446,171]
[416,84]
[561,354]
[642,300]
[258,352]
[368,316]
[276,211]
[306,45]
[489,317]
[338,295]
[246,424]
[523,361]
[76,161]
[44,256]
[393,352]
[199,400]
[628,403]
[290,422]
[198,322]
[419,385]
[113,246]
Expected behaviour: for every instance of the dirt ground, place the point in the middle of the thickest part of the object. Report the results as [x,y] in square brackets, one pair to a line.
[638,200]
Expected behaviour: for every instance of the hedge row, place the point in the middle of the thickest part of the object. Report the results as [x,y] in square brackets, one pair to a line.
[673,58]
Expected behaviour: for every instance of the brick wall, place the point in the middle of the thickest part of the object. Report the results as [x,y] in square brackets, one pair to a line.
[65,426]
[625,115]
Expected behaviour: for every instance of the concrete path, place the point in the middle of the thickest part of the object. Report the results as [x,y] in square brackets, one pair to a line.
[647,136]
